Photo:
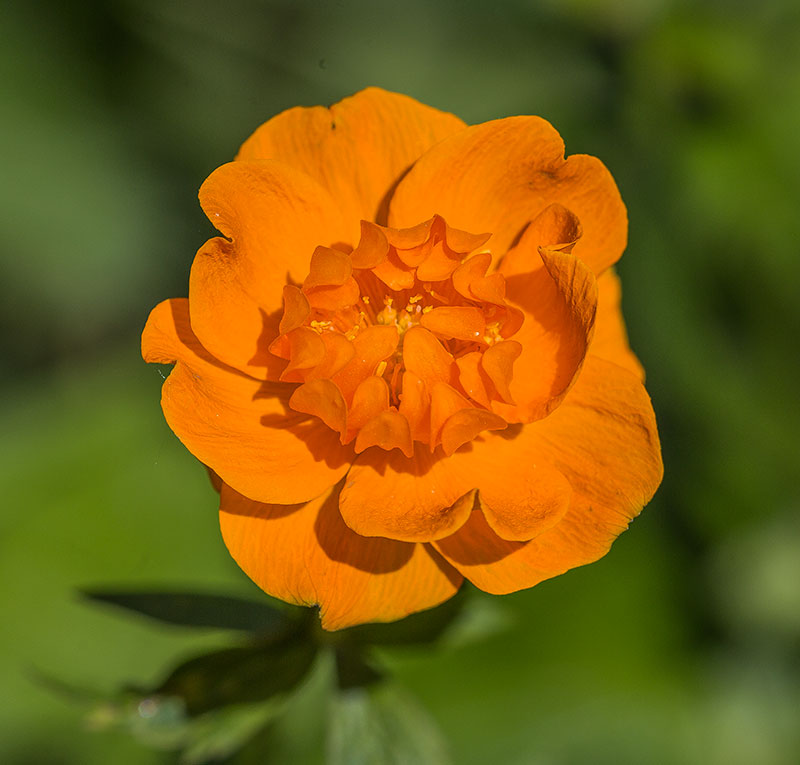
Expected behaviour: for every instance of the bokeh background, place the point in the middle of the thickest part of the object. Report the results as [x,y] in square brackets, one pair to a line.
[683,644]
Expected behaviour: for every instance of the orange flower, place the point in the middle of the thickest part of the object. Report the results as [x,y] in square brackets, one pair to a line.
[405,360]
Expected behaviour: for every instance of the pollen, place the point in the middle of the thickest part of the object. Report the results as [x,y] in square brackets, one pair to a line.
[492,334]
[320,326]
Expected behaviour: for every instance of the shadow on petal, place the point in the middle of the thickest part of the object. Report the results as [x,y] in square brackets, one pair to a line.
[453,575]
[475,544]
[322,443]
[417,466]
[179,310]
[372,554]
[238,504]
[273,366]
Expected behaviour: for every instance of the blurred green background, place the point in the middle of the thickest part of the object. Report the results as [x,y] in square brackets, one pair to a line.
[683,644]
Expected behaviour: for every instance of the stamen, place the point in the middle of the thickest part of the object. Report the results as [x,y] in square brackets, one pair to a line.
[320,326]
[492,335]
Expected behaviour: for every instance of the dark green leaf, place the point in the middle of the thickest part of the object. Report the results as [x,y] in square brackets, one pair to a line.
[353,670]
[240,675]
[191,609]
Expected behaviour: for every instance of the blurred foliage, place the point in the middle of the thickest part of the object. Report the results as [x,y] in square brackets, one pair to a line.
[682,644]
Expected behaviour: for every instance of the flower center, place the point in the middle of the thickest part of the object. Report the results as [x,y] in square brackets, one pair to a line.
[405,339]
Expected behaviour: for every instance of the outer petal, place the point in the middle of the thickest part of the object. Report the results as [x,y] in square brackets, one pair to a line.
[559,300]
[610,339]
[358,149]
[240,427]
[603,439]
[499,175]
[416,499]
[431,496]
[273,217]
[305,554]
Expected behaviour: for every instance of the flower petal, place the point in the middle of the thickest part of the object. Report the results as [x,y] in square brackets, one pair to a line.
[358,149]
[554,228]
[273,217]
[414,500]
[415,403]
[500,566]
[371,346]
[559,302]
[321,398]
[305,554]
[459,322]
[610,339]
[499,175]
[498,364]
[603,439]
[371,398]
[238,426]
[523,505]
[472,378]
[426,357]
[462,426]
[388,430]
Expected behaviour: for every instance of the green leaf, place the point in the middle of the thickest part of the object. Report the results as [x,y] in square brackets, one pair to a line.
[380,725]
[161,722]
[241,674]
[191,609]
[221,733]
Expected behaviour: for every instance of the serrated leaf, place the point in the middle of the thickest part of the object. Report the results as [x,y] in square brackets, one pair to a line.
[381,725]
[191,609]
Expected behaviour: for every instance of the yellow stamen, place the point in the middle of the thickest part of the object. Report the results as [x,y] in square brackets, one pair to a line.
[492,335]
[320,326]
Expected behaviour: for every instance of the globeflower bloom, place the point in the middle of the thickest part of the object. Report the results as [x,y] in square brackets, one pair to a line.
[404,358]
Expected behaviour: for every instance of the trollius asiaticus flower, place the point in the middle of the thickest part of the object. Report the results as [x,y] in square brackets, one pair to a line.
[404,358]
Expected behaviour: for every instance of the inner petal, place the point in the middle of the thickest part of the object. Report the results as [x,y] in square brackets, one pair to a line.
[402,340]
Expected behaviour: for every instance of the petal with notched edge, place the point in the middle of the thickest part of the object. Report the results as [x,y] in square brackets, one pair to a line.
[272,218]
[358,149]
[500,175]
